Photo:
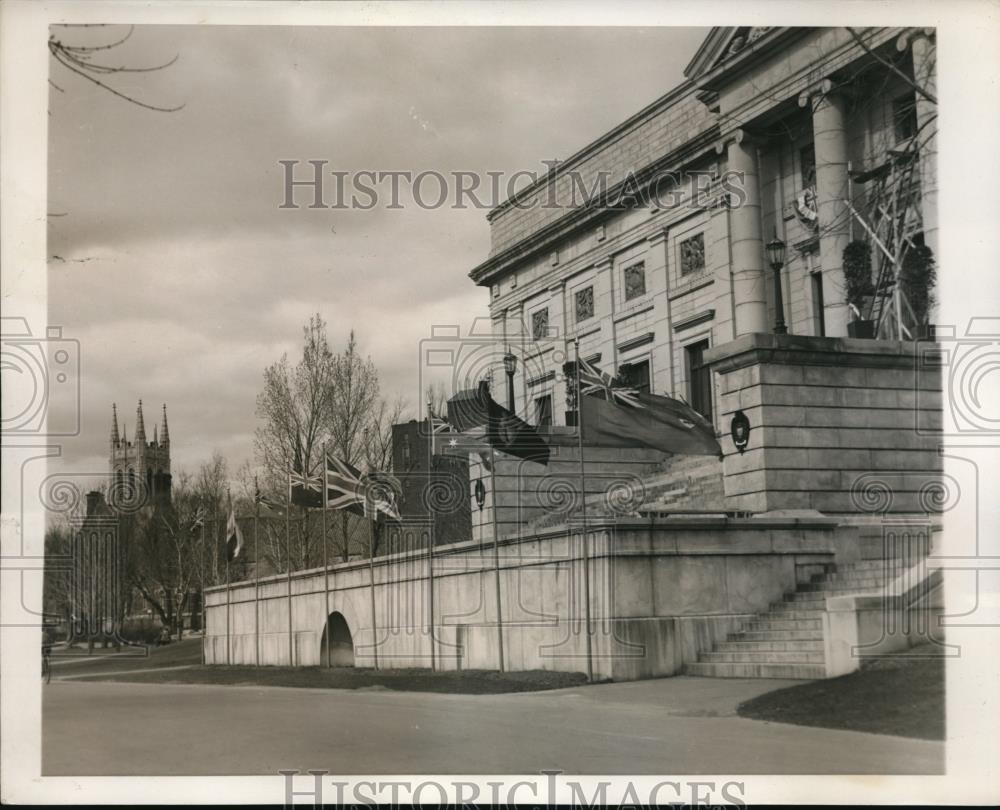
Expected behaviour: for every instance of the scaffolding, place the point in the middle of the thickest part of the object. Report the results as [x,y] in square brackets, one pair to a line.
[892,222]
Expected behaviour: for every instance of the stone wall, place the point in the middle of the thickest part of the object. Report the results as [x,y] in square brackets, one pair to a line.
[660,592]
[844,426]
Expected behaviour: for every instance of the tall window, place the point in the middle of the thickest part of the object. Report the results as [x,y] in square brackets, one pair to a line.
[584,300]
[540,323]
[699,379]
[904,116]
[816,280]
[693,254]
[807,165]
[636,375]
[635,280]
[543,410]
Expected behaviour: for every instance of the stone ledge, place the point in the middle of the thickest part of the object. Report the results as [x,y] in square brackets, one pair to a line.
[761,347]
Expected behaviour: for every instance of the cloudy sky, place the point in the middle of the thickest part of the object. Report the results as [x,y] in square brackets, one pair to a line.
[171,262]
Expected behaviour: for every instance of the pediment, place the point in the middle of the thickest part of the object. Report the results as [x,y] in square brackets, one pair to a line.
[721,44]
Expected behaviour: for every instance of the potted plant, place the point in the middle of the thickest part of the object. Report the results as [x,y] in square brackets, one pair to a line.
[857,261]
[917,277]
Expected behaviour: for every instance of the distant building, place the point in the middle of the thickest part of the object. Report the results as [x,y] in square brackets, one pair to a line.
[432,483]
[140,470]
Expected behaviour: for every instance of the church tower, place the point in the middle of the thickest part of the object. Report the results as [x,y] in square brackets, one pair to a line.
[140,469]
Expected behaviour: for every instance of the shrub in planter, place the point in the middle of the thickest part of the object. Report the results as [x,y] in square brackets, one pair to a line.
[916,281]
[857,262]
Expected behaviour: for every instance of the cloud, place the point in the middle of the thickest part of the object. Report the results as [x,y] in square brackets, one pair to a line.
[194,280]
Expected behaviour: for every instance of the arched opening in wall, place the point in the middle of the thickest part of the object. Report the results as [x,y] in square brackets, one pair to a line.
[337,636]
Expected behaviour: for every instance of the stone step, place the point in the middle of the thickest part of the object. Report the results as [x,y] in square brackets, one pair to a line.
[864,584]
[773,646]
[852,576]
[762,657]
[730,670]
[766,623]
[818,603]
[874,565]
[776,635]
[793,611]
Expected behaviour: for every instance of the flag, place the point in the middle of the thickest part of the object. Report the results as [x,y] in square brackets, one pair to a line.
[234,537]
[199,518]
[305,490]
[268,503]
[618,416]
[383,490]
[344,489]
[506,432]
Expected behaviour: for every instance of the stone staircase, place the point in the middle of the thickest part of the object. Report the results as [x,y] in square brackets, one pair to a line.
[787,640]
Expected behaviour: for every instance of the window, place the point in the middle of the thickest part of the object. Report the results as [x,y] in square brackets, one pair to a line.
[584,304]
[904,116]
[816,279]
[543,410]
[807,165]
[635,375]
[635,280]
[699,379]
[693,254]
[540,323]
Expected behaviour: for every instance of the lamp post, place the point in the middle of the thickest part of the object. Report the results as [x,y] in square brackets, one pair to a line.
[510,366]
[776,258]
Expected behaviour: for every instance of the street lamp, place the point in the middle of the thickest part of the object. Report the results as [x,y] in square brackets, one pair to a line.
[776,258]
[510,366]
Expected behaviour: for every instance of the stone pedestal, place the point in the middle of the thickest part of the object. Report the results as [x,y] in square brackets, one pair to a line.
[840,425]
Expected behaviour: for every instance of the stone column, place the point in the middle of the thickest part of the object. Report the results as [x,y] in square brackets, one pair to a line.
[830,142]
[924,74]
[746,237]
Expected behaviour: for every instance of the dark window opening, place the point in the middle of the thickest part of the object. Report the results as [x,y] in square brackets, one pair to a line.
[816,279]
[543,411]
[699,379]
[904,116]
[635,375]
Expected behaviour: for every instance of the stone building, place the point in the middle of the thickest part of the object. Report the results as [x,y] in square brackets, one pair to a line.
[775,133]
[140,469]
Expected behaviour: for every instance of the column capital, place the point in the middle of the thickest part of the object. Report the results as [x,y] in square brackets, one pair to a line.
[907,38]
[824,87]
[739,136]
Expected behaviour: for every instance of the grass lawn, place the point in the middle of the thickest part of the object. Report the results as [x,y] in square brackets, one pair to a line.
[410,680]
[77,662]
[902,695]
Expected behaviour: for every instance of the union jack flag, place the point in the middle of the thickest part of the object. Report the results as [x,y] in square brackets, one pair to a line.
[304,489]
[343,485]
[594,382]
[268,503]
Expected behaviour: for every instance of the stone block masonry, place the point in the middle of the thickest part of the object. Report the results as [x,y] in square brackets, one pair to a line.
[839,425]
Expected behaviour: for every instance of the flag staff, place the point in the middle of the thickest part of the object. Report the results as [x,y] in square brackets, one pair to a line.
[371,577]
[288,573]
[326,570]
[430,542]
[228,598]
[204,628]
[256,573]
[583,508]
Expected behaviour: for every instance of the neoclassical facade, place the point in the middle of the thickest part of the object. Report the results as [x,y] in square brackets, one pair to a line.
[812,136]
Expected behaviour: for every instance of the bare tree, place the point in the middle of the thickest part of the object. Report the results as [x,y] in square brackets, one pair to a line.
[436,396]
[80,59]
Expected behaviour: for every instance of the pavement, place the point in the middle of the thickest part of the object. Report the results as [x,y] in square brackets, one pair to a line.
[672,725]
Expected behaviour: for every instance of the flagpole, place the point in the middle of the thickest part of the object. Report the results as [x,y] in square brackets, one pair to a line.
[288,573]
[583,509]
[371,580]
[204,628]
[496,550]
[430,543]
[229,654]
[326,570]
[256,574]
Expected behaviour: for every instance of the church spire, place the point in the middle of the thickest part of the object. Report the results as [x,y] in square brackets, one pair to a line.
[164,430]
[140,426]
[115,436]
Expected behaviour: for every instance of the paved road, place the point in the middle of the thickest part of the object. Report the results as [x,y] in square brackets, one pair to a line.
[673,725]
